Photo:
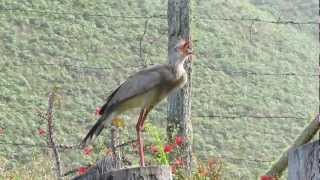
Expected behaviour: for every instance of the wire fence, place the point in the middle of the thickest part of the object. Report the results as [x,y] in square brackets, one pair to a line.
[76,147]
[163,17]
[227,71]
[61,15]
[80,14]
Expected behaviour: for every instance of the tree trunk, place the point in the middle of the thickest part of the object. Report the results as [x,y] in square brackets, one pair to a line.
[179,108]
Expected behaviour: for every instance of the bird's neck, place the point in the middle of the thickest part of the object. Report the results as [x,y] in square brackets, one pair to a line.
[179,67]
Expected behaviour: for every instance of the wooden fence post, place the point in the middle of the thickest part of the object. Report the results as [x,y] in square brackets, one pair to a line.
[306,135]
[179,107]
[304,162]
[140,173]
[105,170]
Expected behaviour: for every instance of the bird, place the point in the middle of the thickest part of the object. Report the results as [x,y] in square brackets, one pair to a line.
[144,90]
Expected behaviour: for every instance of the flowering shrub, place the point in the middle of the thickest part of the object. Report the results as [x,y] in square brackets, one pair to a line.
[179,140]
[168,148]
[82,170]
[42,132]
[158,149]
[166,154]
[268,178]
[171,154]
[87,151]
[209,170]
[154,149]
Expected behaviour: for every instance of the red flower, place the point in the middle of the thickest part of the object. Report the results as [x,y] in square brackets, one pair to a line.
[154,149]
[1,131]
[179,140]
[168,148]
[98,111]
[178,162]
[268,178]
[173,169]
[82,170]
[42,132]
[87,151]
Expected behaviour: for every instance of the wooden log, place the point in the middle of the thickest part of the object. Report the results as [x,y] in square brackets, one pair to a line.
[104,170]
[304,162]
[306,135]
[139,173]
[102,166]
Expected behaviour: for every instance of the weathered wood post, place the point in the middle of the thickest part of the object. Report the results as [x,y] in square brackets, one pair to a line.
[307,134]
[140,173]
[104,170]
[304,162]
[179,107]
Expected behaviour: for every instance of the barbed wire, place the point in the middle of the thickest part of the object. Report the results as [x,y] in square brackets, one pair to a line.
[72,66]
[258,20]
[59,146]
[253,115]
[83,26]
[9,10]
[164,17]
[260,161]
[226,71]
[252,73]
[239,116]
[77,147]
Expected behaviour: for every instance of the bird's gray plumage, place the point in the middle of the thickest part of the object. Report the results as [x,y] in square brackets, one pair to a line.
[144,89]
[142,82]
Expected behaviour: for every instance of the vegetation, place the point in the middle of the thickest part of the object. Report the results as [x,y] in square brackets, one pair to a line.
[38,169]
[89,50]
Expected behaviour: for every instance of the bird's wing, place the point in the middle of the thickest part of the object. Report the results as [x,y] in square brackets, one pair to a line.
[139,83]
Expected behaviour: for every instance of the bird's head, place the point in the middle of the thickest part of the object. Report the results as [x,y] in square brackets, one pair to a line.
[184,48]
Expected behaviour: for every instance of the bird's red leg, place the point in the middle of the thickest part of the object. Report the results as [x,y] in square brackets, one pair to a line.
[139,127]
[144,118]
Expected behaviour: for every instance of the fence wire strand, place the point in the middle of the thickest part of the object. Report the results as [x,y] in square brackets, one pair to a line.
[41,12]
[162,17]
[226,71]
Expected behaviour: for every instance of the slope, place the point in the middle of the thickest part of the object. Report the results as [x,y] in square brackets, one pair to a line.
[92,48]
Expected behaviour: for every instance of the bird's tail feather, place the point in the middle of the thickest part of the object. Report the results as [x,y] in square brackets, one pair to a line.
[97,128]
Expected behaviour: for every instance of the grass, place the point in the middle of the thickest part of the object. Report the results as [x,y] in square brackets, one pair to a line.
[39,168]
[29,39]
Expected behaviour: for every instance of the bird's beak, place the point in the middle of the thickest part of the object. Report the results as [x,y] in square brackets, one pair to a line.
[184,48]
[189,51]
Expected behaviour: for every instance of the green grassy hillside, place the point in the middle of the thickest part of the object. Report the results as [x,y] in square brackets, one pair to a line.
[90,50]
